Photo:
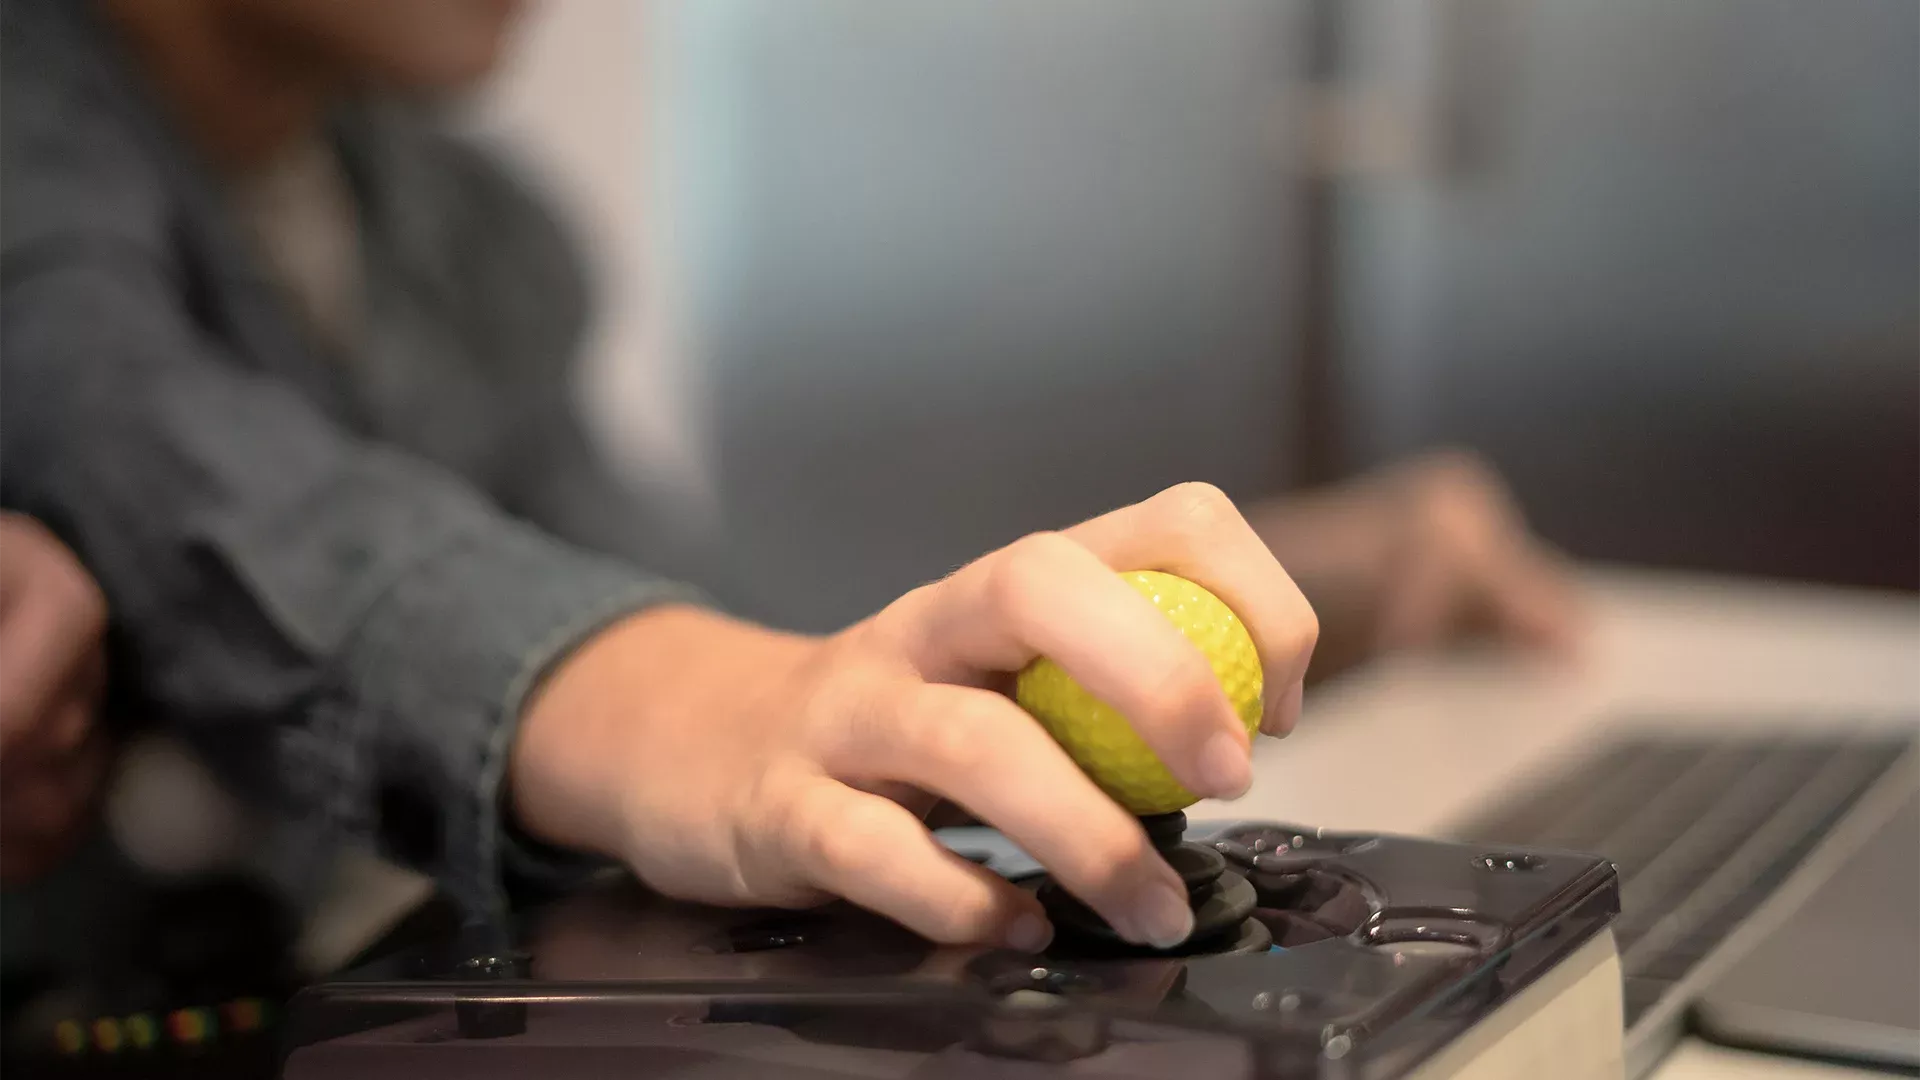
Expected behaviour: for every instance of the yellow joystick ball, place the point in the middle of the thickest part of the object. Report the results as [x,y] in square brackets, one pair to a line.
[1101,741]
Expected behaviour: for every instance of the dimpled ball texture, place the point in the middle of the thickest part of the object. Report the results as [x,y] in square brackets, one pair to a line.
[1101,741]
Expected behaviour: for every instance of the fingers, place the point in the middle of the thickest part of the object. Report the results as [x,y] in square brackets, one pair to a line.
[1055,595]
[980,750]
[1194,530]
[69,724]
[50,633]
[1462,564]
[1537,603]
[876,854]
[62,725]
[1049,596]
[52,618]
[45,812]
[1517,588]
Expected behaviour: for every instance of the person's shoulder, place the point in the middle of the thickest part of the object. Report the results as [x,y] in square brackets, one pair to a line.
[466,207]
[453,179]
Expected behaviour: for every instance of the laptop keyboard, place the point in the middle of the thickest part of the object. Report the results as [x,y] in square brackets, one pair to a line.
[1701,829]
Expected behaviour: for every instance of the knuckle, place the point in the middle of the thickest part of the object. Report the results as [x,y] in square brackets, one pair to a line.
[89,607]
[903,619]
[818,836]
[1306,631]
[1041,551]
[87,610]
[24,529]
[77,604]
[844,843]
[1200,509]
[1108,859]
[846,701]
[69,722]
[1024,567]
[951,740]
[840,681]
[45,563]
[961,920]
[1186,687]
[1455,477]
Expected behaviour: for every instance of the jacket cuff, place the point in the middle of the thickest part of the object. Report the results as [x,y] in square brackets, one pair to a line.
[441,670]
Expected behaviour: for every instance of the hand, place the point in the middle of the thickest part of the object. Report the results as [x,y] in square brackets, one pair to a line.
[52,673]
[1418,555]
[735,765]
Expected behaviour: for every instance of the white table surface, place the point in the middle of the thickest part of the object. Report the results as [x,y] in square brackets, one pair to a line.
[1411,745]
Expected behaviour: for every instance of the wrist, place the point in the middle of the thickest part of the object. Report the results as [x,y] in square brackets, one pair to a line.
[613,709]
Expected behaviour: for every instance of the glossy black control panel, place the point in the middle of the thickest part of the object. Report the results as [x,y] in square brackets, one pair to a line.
[1365,952]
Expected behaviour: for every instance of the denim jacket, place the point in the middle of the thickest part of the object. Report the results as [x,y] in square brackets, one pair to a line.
[339,580]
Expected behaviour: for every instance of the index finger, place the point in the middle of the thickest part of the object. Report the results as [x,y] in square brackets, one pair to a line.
[1045,595]
[1195,531]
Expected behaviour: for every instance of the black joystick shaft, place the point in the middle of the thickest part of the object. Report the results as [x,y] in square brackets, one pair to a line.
[1222,901]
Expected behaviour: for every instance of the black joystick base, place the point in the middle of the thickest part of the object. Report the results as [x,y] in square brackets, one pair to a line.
[1222,902]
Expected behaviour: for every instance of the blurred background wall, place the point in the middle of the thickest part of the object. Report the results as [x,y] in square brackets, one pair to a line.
[1663,266]
[889,284]
[945,273]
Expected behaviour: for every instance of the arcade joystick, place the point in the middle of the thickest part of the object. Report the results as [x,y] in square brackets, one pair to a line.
[1113,755]
[1222,900]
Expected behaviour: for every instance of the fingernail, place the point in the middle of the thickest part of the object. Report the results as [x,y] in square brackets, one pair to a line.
[1028,933]
[1224,768]
[1160,917]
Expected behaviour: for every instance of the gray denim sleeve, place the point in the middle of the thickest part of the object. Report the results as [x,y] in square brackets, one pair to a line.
[339,623]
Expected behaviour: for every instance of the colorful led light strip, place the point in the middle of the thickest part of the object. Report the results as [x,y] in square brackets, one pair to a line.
[191,1027]
[182,1027]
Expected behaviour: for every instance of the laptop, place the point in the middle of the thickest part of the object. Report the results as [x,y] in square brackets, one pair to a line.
[1770,886]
